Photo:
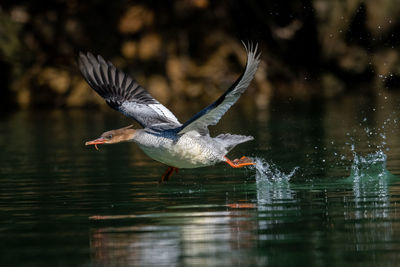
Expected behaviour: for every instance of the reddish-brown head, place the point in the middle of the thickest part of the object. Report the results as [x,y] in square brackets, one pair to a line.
[114,136]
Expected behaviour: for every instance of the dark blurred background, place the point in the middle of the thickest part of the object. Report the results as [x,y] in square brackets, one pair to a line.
[191,49]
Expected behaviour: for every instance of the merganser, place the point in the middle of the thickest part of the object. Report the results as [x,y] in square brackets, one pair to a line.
[163,137]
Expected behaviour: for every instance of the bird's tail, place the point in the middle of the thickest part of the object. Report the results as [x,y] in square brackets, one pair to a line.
[229,141]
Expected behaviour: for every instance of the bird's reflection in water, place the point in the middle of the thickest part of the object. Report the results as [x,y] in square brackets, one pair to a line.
[177,238]
[137,245]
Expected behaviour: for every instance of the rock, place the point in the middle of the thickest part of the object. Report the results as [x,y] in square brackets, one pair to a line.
[82,95]
[333,20]
[56,79]
[24,98]
[331,85]
[158,88]
[149,46]
[386,62]
[193,90]
[129,49]
[19,14]
[135,19]
[200,3]
[264,86]
[381,16]
[355,59]
[175,68]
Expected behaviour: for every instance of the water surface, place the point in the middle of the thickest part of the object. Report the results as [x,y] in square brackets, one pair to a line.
[325,191]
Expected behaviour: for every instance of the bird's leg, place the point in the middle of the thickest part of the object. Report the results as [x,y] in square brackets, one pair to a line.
[239,163]
[167,174]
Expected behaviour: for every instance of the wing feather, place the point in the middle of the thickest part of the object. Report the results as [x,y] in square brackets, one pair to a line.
[123,93]
[213,113]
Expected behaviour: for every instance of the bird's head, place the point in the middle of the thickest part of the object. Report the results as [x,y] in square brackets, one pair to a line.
[114,136]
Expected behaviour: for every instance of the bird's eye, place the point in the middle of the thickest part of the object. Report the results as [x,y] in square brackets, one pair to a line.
[109,136]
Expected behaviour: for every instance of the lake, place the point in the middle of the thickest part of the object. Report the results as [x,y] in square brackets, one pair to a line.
[325,191]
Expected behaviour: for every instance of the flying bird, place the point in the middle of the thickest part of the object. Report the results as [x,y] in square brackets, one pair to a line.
[163,137]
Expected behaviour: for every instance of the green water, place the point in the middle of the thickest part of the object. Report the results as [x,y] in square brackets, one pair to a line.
[326,191]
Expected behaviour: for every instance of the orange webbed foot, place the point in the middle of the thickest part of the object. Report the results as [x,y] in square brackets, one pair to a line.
[239,163]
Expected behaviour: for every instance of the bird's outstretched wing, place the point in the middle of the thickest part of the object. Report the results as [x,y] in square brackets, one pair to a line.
[123,93]
[213,113]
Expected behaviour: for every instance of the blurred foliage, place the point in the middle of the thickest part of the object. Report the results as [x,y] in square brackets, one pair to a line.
[191,48]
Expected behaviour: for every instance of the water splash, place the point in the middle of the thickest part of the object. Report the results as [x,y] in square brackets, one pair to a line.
[372,166]
[272,187]
[371,180]
[269,172]
[369,167]
[369,175]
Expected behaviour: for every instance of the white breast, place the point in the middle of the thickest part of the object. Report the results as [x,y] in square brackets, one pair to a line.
[189,151]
